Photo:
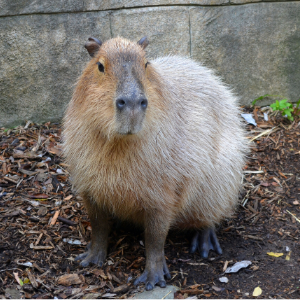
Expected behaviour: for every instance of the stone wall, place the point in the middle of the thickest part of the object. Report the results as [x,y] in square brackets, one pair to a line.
[254,47]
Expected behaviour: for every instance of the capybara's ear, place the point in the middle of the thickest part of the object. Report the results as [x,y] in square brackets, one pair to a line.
[143,42]
[92,46]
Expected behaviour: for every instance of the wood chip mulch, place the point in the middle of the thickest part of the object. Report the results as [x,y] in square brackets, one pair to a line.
[43,225]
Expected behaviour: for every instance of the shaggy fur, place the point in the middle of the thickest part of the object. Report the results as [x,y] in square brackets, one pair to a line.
[186,160]
[176,163]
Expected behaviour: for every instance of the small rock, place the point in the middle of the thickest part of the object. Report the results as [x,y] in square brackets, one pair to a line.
[217,289]
[42,211]
[72,242]
[223,279]
[108,295]
[249,119]
[158,293]
[26,264]
[12,293]
[42,177]
[239,265]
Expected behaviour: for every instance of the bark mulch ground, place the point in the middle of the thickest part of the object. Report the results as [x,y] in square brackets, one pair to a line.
[43,226]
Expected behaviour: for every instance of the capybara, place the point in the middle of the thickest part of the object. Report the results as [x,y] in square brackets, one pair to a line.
[158,143]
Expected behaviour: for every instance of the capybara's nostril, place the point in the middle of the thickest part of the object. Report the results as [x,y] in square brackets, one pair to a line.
[120,103]
[144,103]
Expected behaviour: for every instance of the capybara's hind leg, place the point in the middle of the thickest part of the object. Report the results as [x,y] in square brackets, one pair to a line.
[205,240]
[156,230]
[97,248]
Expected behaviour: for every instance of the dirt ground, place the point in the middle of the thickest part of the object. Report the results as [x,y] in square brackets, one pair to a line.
[43,226]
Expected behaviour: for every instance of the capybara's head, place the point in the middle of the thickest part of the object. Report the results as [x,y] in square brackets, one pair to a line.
[114,85]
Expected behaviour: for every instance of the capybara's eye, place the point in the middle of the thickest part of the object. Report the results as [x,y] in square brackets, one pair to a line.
[146,64]
[100,67]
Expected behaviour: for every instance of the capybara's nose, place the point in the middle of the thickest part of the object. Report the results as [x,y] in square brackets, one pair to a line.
[125,102]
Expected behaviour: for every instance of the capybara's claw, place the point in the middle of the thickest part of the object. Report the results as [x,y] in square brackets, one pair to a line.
[81,256]
[90,257]
[141,278]
[205,241]
[149,286]
[152,278]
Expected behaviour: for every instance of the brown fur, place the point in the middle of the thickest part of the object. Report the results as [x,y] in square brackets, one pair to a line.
[182,168]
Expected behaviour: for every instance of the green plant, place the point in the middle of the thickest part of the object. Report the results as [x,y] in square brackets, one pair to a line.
[286,108]
[296,111]
[265,96]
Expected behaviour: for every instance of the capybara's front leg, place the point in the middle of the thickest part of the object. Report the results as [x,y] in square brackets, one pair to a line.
[156,230]
[97,249]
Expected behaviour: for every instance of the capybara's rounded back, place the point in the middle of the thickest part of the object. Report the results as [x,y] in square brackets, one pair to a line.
[163,135]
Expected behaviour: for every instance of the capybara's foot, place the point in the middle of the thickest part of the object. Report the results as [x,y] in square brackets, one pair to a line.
[91,256]
[153,276]
[204,241]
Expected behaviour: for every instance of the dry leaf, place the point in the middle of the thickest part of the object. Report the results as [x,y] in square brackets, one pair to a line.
[32,280]
[100,273]
[69,279]
[274,254]
[254,268]
[19,281]
[39,196]
[257,292]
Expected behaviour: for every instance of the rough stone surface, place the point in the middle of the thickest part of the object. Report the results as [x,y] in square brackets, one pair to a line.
[250,48]
[167,29]
[254,47]
[244,1]
[13,7]
[41,57]
[158,293]
[20,7]
[119,4]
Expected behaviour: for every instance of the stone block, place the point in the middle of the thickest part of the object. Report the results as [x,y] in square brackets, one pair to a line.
[41,58]
[13,7]
[21,7]
[167,29]
[254,47]
[119,4]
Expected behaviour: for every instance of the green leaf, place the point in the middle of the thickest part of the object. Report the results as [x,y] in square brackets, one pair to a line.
[265,96]
[274,106]
[287,112]
[282,104]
